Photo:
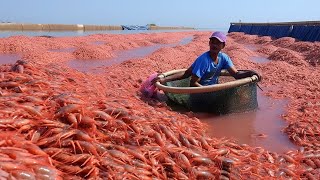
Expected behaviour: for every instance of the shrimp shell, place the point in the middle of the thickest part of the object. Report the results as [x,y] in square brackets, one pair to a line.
[67,109]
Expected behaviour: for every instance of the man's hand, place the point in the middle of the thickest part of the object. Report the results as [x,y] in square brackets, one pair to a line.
[255,73]
[245,73]
[160,78]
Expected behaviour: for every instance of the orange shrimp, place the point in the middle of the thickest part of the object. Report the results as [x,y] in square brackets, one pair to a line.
[167,131]
[71,118]
[67,109]
[203,174]
[201,161]
[218,152]
[11,165]
[141,164]
[9,84]
[92,172]
[80,135]
[204,143]
[100,148]
[119,155]
[135,152]
[35,136]
[288,172]
[87,147]
[184,140]
[311,176]
[103,115]
[31,160]
[31,110]
[192,153]
[34,149]
[269,157]
[70,169]
[4,174]
[310,163]
[289,159]
[183,161]
[316,162]
[25,128]
[64,157]
[83,159]
[21,174]
[158,139]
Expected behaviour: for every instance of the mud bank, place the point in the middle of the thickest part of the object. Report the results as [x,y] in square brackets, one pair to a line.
[83,125]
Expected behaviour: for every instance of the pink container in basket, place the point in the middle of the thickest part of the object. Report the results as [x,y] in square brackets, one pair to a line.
[147,88]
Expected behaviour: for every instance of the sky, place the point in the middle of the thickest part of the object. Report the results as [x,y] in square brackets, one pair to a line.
[211,14]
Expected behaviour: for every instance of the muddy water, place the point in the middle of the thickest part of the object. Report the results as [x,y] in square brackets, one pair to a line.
[95,66]
[251,47]
[262,127]
[9,58]
[256,59]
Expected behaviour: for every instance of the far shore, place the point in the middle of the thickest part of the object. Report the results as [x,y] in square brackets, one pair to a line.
[74,27]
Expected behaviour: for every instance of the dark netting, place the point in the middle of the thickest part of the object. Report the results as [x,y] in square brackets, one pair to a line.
[233,100]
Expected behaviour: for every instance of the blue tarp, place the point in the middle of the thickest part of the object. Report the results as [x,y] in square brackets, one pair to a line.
[279,31]
[245,28]
[234,28]
[300,32]
[312,34]
[317,38]
[259,30]
[263,31]
[135,27]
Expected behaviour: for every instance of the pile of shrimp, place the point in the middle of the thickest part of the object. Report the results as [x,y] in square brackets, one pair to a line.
[58,123]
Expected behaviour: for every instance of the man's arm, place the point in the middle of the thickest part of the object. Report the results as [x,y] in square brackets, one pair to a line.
[242,73]
[194,82]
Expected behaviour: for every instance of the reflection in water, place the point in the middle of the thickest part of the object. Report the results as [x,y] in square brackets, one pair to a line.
[94,65]
[248,127]
[256,59]
[251,47]
[259,59]
[9,58]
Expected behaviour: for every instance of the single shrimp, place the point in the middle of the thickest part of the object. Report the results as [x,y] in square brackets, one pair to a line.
[71,118]
[170,134]
[103,115]
[184,140]
[158,139]
[201,161]
[67,109]
[87,147]
[21,174]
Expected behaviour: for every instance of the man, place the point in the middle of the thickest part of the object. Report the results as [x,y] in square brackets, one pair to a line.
[207,67]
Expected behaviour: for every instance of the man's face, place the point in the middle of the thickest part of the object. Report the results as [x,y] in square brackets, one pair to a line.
[215,45]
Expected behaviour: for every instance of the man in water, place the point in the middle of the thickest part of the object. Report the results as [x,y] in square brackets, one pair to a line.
[207,67]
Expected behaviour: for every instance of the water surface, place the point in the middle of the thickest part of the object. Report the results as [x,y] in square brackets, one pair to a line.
[95,66]
[262,127]
[9,58]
